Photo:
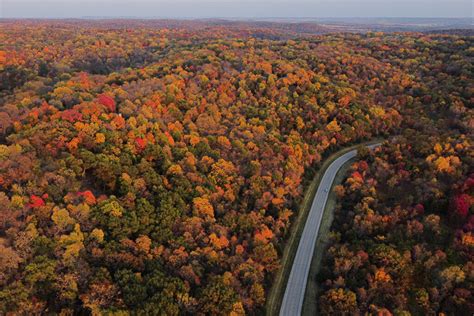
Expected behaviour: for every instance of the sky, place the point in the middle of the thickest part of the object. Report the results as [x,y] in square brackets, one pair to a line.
[235,8]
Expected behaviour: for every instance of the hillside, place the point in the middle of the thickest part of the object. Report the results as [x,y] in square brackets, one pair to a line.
[157,168]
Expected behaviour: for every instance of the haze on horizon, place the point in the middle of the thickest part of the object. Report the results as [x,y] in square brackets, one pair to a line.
[235,8]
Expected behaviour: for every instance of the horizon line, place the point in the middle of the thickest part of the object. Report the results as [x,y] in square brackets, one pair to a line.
[105,17]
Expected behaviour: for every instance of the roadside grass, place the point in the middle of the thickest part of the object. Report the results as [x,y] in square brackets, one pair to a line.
[275,295]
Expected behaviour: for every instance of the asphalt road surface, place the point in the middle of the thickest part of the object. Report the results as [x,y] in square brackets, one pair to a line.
[292,303]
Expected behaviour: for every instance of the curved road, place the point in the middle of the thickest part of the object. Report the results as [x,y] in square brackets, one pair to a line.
[292,303]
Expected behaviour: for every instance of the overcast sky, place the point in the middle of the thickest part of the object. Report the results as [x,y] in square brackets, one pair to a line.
[234,8]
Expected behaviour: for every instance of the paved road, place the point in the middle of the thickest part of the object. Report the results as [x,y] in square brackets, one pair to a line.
[295,288]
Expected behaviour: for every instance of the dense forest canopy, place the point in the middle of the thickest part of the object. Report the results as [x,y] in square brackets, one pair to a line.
[157,169]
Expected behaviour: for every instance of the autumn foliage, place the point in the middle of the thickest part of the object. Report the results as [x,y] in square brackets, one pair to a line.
[154,167]
[412,220]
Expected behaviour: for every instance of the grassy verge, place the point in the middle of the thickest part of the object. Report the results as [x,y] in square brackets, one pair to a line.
[277,290]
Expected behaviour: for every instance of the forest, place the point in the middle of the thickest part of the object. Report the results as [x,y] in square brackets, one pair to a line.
[156,168]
